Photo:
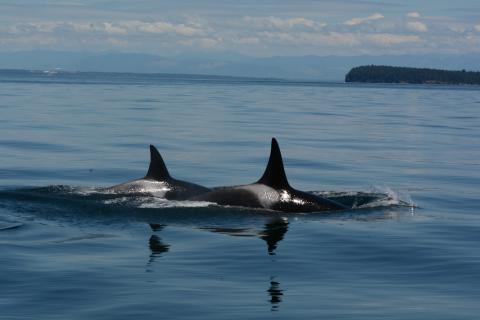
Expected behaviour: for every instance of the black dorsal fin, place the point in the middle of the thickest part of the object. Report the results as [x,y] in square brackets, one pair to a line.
[274,176]
[157,169]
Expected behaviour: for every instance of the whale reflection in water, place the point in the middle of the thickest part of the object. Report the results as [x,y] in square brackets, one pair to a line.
[273,232]
[275,293]
[155,244]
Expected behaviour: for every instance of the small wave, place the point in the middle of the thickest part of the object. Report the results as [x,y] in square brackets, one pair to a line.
[86,237]
[163,203]
[150,202]
[138,200]
[376,197]
[5,227]
[86,191]
[51,189]
[120,200]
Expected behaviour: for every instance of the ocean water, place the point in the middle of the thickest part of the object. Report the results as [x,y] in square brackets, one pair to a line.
[410,153]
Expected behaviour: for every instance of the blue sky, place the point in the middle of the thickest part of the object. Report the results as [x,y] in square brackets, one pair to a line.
[254,28]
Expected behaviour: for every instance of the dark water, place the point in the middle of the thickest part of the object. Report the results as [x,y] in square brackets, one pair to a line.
[67,252]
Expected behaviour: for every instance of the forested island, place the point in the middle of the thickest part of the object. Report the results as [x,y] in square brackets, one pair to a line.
[387,74]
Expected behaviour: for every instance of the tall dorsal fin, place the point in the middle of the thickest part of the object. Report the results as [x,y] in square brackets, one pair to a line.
[157,169]
[274,175]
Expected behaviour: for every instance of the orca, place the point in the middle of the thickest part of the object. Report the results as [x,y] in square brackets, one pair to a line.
[271,192]
[159,183]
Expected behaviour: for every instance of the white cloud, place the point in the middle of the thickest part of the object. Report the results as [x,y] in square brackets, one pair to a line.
[203,43]
[309,38]
[84,26]
[417,26]
[413,14]
[339,39]
[357,21]
[279,23]
[333,39]
[115,28]
[262,35]
[46,26]
[457,28]
[391,39]
[158,27]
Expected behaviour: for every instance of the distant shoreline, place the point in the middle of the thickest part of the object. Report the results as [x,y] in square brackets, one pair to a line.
[389,74]
[59,76]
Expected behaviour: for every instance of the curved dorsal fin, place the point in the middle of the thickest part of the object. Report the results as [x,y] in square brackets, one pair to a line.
[157,169]
[274,175]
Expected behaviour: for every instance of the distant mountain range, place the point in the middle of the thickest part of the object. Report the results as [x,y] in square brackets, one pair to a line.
[328,68]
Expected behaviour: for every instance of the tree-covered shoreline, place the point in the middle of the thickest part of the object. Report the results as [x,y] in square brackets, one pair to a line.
[388,74]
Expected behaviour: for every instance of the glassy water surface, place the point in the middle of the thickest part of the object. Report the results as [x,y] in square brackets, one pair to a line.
[70,253]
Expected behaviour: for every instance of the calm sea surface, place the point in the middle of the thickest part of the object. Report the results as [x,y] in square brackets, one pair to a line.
[67,252]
